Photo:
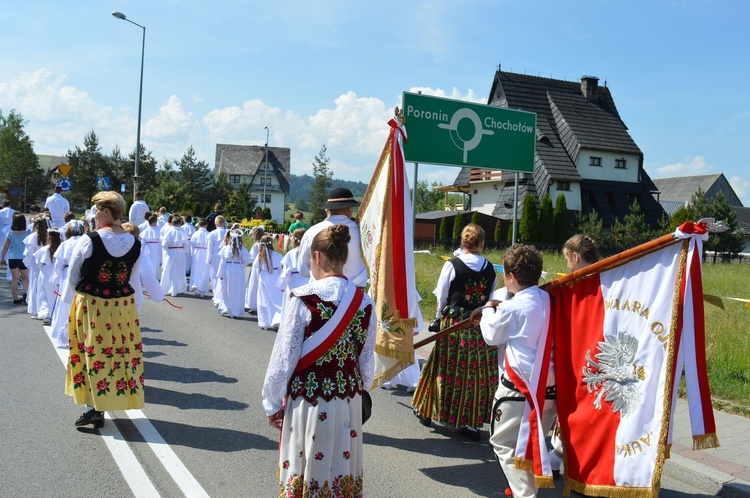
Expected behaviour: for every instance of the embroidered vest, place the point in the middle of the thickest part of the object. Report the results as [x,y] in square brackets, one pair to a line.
[336,374]
[105,275]
[469,289]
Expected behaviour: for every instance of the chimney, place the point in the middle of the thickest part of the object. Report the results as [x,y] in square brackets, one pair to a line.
[590,87]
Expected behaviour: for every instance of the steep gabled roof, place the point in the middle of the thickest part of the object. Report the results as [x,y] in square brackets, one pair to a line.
[248,160]
[743,218]
[682,188]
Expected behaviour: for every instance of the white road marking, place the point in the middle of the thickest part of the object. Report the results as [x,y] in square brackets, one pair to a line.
[135,475]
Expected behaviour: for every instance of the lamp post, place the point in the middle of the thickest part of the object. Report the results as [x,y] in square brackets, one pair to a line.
[120,15]
[265,171]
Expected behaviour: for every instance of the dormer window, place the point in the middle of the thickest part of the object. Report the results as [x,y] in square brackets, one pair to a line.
[595,161]
[621,163]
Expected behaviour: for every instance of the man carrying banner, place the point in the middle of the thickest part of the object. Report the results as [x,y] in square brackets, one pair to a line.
[521,325]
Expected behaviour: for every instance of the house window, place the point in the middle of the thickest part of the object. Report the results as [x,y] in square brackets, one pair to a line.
[620,163]
[595,161]
[234,178]
[268,198]
[563,185]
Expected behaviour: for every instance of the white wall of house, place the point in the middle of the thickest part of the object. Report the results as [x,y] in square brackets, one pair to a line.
[484,196]
[607,169]
[571,191]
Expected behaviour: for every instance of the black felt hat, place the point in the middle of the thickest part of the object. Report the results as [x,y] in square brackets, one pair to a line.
[340,198]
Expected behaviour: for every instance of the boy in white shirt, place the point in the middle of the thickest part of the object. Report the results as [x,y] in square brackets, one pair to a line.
[517,320]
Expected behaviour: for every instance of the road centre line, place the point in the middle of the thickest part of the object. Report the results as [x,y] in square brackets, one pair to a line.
[131,469]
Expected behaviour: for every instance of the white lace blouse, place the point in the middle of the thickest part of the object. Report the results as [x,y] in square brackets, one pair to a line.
[288,346]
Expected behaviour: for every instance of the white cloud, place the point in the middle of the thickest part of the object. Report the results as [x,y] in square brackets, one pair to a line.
[741,187]
[692,166]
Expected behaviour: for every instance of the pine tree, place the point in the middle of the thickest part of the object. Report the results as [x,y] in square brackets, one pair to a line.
[196,174]
[88,164]
[497,236]
[733,240]
[444,233]
[562,222]
[633,229]
[592,225]
[458,226]
[322,184]
[528,229]
[546,221]
[475,218]
[19,165]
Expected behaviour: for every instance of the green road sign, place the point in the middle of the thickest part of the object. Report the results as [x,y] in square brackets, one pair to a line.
[459,133]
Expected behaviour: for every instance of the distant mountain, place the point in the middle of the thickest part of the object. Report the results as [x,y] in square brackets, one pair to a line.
[301,186]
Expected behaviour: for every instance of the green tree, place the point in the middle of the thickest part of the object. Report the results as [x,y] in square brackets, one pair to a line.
[219,192]
[546,221]
[633,229]
[592,225]
[322,184]
[169,191]
[19,165]
[497,235]
[562,222]
[528,229]
[458,225]
[475,218]
[241,204]
[731,241]
[427,198]
[195,174]
[444,232]
[679,217]
[301,204]
[88,164]
[147,172]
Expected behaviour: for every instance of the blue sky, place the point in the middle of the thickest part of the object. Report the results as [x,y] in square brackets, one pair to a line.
[330,72]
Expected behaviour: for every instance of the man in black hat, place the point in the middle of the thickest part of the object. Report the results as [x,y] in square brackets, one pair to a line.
[339,208]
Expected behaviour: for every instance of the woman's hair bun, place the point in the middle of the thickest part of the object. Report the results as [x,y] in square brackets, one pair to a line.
[340,234]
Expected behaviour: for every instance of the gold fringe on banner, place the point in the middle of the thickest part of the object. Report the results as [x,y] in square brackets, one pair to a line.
[523,464]
[668,451]
[612,491]
[544,482]
[705,442]
[407,356]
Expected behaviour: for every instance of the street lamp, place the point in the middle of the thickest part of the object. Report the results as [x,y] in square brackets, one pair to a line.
[120,15]
[265,171]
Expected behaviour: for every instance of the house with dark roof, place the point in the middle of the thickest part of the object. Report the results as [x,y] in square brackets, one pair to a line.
[583,152]
[247,164]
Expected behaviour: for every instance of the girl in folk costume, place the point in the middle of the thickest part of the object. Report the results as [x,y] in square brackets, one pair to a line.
[215,243]
[177,247]
[290,277]
[234,259]
[48,283]
[263,276]
[321,363]
[151,240]
[251,295]
[146,279]
[460,377]
[13,249]
[199,255]
[105,363]
[34,241]
[73,231]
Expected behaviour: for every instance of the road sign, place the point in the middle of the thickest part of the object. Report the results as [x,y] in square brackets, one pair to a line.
[459,133]
[64,169]
[122,188]
[102,182]
[65,184]
[16,191]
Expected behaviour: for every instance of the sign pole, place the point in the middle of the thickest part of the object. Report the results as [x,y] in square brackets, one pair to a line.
[515,210]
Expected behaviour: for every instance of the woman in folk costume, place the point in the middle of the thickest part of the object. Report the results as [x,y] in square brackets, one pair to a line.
[290,277]
[322,361]
[105,363]
[460,377]
[233,260]
[176,245]
[48,284]
[151,240]
[263,276]
[73,231]
[34,241]
[199,256]
[251,293]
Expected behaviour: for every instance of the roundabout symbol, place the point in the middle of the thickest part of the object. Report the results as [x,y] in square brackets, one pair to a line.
[473,142]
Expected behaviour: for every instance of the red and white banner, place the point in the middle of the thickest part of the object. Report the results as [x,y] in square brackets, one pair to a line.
[386,226]
[621,338]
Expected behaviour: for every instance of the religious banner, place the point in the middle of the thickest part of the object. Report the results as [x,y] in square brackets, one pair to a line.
[385,221]
[623,331]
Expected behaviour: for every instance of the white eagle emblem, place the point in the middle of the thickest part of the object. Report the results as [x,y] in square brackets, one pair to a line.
[615,374]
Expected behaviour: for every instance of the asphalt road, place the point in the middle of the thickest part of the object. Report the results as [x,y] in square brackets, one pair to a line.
[203,431]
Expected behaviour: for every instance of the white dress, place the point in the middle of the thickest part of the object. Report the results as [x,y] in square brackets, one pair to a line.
[215,243]
[47,284]
[290,277]
[232,273]
[251,294]
[151,240]
[268,297]
[199,268]
[59,322]
[189,231]
[32,247]
[177,247]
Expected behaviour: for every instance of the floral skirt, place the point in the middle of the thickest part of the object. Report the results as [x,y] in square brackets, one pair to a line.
[105,362]
[321,448]
[458,380]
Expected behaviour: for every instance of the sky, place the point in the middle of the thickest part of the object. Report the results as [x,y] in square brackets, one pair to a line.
[331,72]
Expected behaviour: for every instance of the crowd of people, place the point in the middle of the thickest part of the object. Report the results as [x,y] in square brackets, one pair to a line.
[86,279]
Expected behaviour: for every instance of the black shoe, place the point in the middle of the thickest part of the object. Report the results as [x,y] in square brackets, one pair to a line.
[18,301]
[24,298]
[91,417]
[426,421]
[470,433]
